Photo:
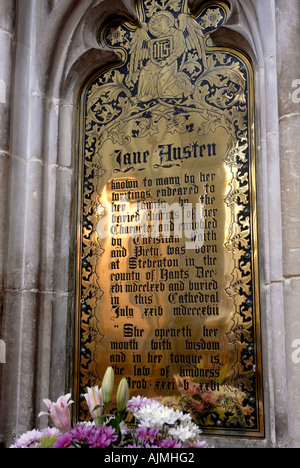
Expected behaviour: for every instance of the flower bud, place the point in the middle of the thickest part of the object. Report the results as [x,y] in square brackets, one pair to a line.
[107,385]
[122,395]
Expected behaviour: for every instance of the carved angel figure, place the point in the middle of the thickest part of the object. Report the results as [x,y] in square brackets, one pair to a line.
[158,54]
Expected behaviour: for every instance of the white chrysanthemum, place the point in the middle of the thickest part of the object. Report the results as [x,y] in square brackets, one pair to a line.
[186,418]
[185,431]
[165,415]
[162,415]
[181,432]
[158,416]
[145,413]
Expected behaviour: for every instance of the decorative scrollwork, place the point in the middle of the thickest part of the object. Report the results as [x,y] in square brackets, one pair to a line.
[167,73]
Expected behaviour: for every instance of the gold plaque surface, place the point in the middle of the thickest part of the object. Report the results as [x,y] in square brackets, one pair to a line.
[167,277]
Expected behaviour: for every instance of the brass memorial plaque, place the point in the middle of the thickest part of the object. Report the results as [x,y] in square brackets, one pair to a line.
[168,284]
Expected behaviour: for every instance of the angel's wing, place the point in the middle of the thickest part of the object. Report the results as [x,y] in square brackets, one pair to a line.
[138,52]
[193,34]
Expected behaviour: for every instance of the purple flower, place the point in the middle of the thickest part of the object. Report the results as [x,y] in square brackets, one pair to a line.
[64,441]
[28,440]
[102,437]
[81,432]
[168,443]
[83,435]
[147,435]
[51,432]
[136,403]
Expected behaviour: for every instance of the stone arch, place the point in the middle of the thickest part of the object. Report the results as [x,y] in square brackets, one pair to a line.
[247,29]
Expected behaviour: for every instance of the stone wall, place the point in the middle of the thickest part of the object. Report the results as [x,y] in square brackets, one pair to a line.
[288,63]
[48,49]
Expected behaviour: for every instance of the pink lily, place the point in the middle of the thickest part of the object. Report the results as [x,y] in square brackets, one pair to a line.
[94,399]
[59,413]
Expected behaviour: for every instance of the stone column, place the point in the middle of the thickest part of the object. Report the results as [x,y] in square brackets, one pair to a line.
[23,195]
[7,13]
[38,195]
[6,71]
[288,56]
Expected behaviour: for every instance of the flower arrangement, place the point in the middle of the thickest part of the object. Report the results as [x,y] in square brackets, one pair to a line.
[138,422]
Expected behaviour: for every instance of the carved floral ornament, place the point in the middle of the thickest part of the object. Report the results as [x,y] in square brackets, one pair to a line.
[168,78]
